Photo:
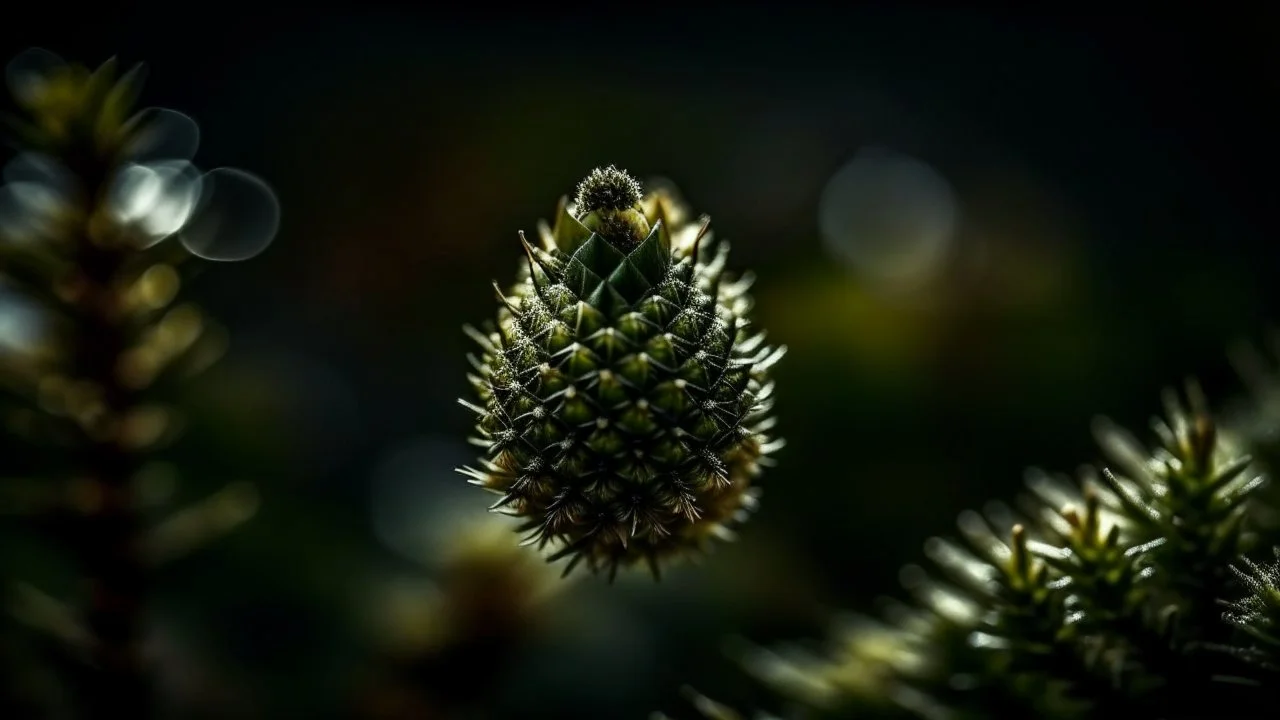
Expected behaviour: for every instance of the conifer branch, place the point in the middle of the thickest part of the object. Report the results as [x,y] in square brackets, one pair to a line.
[1101,595]
[93,192]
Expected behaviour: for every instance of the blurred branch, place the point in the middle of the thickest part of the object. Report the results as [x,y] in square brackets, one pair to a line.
[44,612]
[94,192]
[27,496]
[196,526]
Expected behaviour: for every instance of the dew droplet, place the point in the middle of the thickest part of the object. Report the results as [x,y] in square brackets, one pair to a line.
[163,134]
[27,74]
[236,219]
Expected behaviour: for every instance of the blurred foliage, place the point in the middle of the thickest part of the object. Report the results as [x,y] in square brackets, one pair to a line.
[96,340]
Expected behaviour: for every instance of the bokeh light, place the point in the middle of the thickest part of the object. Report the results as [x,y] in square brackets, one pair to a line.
[417,500]
[889,216]
[28,211]
[236,219]
[156,199]
[27,73]
[38,168]
[163,134]
[23,323]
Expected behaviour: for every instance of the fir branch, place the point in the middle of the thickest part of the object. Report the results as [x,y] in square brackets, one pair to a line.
[1093,596]
[82,244]
[1257,614]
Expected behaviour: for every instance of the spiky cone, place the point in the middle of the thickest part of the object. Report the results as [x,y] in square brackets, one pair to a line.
[623,396]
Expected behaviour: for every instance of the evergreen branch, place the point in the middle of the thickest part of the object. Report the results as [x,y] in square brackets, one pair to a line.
[82,248]
[1096,596]
[1257,614]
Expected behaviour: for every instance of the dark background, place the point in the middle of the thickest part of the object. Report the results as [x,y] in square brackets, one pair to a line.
[1115,179]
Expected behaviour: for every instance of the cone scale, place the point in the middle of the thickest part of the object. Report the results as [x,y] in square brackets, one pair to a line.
[623,398]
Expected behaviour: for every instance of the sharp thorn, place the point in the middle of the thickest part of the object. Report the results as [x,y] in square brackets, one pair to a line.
[697,240]
[528,253]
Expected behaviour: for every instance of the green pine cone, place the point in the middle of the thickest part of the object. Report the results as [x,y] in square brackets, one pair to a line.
[623,397]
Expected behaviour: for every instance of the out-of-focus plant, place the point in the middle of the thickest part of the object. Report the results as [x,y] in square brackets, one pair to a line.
[444,643]
[99,211]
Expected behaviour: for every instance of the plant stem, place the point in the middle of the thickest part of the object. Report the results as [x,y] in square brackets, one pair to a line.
[110,529]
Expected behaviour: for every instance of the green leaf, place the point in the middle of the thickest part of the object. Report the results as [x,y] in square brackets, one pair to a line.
[599,256]
[568,233]
[580,279]
[629,283]
[651,258]
[607,299]
[117,104]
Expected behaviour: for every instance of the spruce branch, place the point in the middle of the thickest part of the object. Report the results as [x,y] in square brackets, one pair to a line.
[1257,614]
[1095,595]
[89,199]
[1255,419]
[1192,489]
[709,709]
